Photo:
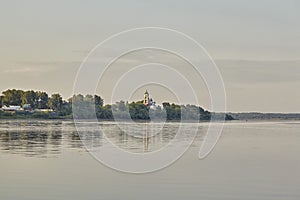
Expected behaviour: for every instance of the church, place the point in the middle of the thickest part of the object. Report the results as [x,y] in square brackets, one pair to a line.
[149,101]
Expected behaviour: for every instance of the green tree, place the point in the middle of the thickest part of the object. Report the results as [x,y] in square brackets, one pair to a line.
[190,112]
[98,101]
[12,97]
[106,112]
[29,97]
[89,98]
[76,99]
[1,101]
[66,109]
[98,105]
[120,106]
[42,100]
[120,110]
[83,107]
[138,111]
[55,102]
[166,104]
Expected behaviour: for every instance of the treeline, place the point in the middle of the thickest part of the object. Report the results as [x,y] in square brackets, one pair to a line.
[84,108]
[36,99]
[89,106]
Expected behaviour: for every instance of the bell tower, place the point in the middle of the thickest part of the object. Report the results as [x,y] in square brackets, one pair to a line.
[146,98]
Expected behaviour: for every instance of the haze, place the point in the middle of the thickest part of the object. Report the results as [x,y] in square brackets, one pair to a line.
[256,44]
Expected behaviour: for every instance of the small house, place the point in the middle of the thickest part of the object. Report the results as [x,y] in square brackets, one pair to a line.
[11,108]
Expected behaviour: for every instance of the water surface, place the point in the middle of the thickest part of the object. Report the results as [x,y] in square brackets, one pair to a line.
[46,160]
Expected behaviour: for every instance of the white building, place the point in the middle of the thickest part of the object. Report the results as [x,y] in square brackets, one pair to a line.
[11,108]
[149,101]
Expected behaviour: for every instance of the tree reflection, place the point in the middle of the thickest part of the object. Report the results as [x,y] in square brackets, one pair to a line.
[47,138]
[32,138]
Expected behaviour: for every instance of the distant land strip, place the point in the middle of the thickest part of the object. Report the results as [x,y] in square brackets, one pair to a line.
[19,104]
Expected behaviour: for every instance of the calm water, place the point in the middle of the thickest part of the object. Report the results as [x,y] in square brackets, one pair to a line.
[46,160]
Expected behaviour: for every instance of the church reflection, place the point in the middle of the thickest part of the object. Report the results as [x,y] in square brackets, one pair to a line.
[140,137]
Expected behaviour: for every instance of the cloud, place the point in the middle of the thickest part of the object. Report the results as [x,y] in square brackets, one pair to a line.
[21,70]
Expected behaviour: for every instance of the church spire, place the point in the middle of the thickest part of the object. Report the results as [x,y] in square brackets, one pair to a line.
[146,98]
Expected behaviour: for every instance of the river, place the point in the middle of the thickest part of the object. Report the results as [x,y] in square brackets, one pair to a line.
[44,159]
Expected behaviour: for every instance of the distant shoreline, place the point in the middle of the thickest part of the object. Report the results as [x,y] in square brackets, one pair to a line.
[249,116]
[265,116]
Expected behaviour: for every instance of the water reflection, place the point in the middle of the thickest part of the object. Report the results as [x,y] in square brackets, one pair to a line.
[47,138]
[37,138]
[140,137]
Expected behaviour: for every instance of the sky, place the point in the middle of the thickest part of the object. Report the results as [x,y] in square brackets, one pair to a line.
[255,44]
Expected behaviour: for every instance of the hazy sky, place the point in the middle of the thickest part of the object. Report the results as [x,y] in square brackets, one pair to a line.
[256,44]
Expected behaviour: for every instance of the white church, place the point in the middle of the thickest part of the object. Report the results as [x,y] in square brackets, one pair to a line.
[149,101]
